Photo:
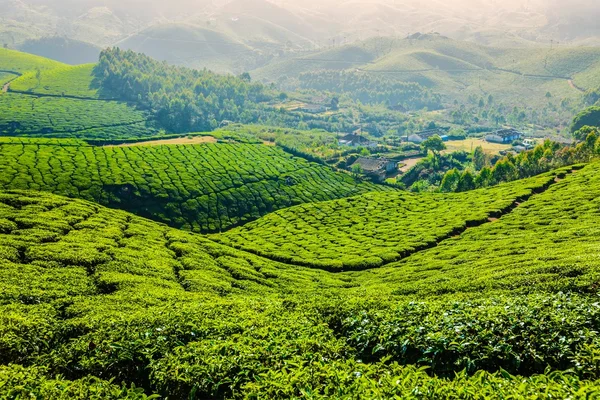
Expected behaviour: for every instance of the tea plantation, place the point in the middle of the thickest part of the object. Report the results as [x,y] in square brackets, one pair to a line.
[16,61]
[376,228]
[98,302]
[51,99]
[26,115]
[72,81]
[287,279]
[205,188]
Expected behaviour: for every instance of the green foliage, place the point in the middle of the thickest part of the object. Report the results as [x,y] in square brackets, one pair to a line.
[373,229]
[587,117]
[207,187]
[183,100]
[76,81]
[17,382]
[371,89]
[104,300]
[544,157]
[24,115]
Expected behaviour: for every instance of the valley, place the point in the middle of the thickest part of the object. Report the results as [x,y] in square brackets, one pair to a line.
[252,199]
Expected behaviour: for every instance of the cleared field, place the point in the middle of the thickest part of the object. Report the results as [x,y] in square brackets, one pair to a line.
[183,140]
[469,145]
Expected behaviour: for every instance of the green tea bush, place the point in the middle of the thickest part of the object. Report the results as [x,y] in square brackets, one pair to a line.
[204,188]
[376,228]
[96,302]
[25,115]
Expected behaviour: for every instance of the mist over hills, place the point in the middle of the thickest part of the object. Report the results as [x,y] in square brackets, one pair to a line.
[303,25]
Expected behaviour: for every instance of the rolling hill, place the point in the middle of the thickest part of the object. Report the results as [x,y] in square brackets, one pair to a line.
[62,49]
[376,228]
[193,46]
[205,188]
[114,300]
[457,70]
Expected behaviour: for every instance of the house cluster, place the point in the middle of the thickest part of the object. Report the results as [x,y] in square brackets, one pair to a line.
[376,168]
[504,136]
[420,137]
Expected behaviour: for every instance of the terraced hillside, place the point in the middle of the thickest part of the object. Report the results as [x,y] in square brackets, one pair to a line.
[44,98]
[548,242]
[205,188]
[68,81]
[26,115]
[376,228]
[113,300]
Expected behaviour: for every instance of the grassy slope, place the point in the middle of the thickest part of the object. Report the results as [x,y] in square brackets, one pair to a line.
[112,295]
[205,187]
[65,103]
[17,61]
[370,230]
[458,69]
[72,81]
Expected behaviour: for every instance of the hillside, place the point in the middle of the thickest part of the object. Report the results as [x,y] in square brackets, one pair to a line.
[62,49]
[455,69]
[20,62]
[206,188]
[194,47]
[116,297]
[67,81]
[374,229]
[47,98]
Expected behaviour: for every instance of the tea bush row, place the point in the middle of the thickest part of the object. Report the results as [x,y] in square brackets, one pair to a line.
[205,187]
[375,228]
[24,115]
[549,242]
[99,300]
[73,81]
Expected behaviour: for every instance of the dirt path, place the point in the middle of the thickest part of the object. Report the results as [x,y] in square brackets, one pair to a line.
[182,140]
[574,86]
[409,163]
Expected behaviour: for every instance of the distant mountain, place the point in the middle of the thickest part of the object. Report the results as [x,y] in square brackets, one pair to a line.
[65,50]
[459,70]
[265,30]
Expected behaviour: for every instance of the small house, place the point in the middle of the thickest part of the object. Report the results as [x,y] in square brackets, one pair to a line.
[356,140]
[529,143]
[420,137]
[505,136]
[376,168]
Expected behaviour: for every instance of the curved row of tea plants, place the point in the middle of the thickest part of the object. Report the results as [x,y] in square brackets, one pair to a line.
[206,187]
[69,81]
[25,115]
[19,62]
[376,228]
[550,242]
[94,300]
